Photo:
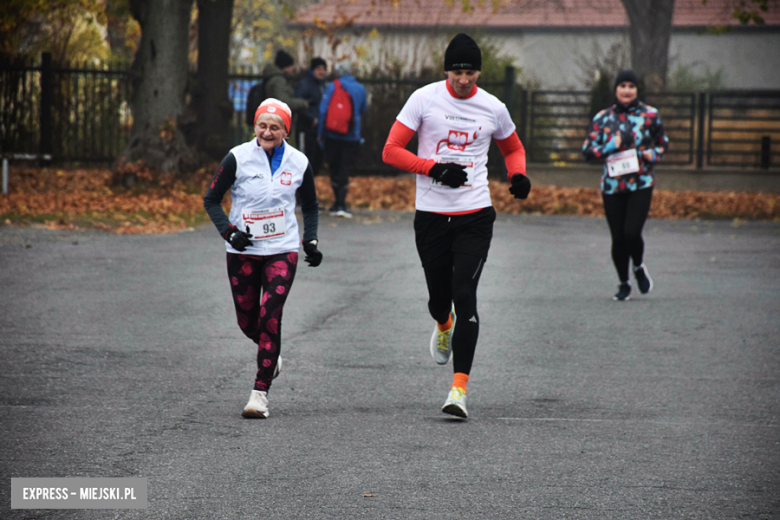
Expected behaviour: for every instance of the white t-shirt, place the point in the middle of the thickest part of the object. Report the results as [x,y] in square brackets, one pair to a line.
[450,129]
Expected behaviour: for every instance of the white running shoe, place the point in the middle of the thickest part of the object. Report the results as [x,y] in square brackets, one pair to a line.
[257,407]
[278,367]
[456,403]
[441,342]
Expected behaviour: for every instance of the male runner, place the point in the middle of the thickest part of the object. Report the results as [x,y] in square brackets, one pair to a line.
[453,225]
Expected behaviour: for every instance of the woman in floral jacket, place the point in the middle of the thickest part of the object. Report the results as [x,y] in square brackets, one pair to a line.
[630,138]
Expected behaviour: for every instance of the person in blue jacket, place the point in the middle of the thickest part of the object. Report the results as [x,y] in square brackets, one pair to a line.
[341,149]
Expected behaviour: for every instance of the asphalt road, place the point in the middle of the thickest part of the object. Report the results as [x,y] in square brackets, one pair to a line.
[120,357]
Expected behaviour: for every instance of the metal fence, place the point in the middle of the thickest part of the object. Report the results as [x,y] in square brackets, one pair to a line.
[742,128]
[81,113]
[557,123]
[71,112]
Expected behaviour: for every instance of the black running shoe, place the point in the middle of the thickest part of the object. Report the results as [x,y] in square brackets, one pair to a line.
[643,280]
[624,292]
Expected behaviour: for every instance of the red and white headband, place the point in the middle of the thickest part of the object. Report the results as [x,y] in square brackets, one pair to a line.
[277,108]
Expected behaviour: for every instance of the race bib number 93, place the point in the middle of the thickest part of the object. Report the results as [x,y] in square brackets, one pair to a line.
[263,224]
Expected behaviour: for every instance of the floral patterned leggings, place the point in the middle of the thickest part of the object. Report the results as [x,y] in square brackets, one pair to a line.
[260,286]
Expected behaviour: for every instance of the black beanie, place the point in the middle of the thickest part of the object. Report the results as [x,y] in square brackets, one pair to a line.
[463,53]
[317,62]
[626,75]
[283,60]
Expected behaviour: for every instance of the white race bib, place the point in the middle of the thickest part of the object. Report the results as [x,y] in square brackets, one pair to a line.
[263,224]
[467,161]
[622,163]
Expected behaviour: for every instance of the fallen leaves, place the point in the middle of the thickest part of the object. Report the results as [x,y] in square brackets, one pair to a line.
[71,199]
[398,193]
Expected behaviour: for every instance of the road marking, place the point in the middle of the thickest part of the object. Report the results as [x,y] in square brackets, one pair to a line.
[665,423]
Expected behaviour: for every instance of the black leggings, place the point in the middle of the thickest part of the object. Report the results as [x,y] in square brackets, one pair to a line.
[453,250]
[456,283]
[626,214]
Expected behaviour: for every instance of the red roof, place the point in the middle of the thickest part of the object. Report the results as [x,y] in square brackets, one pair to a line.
[515,13]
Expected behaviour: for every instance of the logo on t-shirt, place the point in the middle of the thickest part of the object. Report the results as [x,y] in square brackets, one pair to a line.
[456,140]
[459,118]
[286,178]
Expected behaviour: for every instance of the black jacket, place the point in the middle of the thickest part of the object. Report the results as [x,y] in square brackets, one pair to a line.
[310,89]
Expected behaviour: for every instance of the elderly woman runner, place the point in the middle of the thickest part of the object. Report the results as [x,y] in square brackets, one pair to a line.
[630,138]
[264,177]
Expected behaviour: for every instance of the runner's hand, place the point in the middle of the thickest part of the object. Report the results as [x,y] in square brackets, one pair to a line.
[627,138]
[313,255]
[521,186]
[451,174]
[239,240]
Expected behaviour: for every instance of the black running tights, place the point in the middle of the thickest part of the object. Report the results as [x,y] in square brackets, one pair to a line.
[626,214]
[456,283]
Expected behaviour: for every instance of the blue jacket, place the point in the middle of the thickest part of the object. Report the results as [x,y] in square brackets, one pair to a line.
[358,93]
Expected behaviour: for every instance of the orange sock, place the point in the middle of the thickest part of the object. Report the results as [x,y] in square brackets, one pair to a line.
[445,326]
[460,380]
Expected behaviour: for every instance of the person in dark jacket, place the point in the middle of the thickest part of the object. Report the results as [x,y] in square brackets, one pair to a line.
[341,149]
[278,84]
[629,138]
[311,88]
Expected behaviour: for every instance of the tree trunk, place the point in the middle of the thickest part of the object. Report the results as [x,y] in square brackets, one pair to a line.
[210,132]
[160,73]
[650,30]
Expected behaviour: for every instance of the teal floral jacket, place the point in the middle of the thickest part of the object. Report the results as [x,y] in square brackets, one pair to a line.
[640,129]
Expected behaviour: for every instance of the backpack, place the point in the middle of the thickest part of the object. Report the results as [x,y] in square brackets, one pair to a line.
[339,116]
[255,96]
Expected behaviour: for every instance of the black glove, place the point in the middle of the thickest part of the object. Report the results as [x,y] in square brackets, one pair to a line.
[451,174]
[626,138]
[239,240]
[520,187]
[313,255]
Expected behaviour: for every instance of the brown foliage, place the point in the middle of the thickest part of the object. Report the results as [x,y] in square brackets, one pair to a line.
[70,199]
[398,193]
[76,198]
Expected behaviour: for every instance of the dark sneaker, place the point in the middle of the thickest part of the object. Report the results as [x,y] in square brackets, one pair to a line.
[624,292]
[643,280]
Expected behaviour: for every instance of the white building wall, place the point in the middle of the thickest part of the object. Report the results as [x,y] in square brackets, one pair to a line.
[552,60]
[749,60]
